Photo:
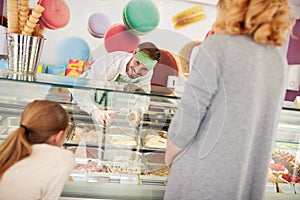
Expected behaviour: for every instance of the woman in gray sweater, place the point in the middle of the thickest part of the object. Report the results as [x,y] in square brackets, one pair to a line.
[221,137]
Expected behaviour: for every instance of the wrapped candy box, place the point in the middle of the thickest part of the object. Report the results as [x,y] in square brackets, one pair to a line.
[77,67]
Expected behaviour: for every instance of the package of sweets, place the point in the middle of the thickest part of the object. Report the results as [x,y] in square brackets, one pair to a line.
[87,64]
[42,68]
[56,69]
[75,67]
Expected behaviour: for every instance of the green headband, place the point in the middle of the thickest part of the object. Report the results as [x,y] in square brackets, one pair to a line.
[143,58]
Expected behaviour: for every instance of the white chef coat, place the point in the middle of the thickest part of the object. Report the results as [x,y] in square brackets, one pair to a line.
[42,175]
[108,68]
[103,73]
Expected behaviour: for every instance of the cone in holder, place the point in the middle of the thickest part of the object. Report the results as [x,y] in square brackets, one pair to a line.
[24,53]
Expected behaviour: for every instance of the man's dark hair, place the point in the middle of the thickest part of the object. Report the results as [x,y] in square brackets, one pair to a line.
[150,49]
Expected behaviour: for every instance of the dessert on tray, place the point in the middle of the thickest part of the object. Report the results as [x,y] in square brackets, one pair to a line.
[154,138]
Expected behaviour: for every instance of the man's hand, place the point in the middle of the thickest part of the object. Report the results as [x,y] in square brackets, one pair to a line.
[134,119]
[133,88]
[103,117]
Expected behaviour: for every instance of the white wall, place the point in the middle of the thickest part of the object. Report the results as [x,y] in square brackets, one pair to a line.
[165,36]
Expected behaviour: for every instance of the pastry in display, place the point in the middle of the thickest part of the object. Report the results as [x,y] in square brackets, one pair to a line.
[289,178]
[294,168]
[273,178]
[282,157]
[288,160]
[155,139]
[278,169]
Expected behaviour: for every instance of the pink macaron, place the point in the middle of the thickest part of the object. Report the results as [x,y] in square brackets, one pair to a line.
[56,14]
[118,38]
[168,65]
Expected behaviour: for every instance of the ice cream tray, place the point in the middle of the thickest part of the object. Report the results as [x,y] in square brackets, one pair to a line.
[153,139]
[118,166]
[8,125]
[110,137]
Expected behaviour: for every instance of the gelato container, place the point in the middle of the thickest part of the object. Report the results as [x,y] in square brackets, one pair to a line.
[155,164]
[8,125]
[86,133]
[123,161]
[120,141]
[86,152]
[12,121]
[154,139]
[119,130]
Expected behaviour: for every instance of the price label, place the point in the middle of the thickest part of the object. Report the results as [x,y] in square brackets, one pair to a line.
[297,188]
[286,188]
[133,179]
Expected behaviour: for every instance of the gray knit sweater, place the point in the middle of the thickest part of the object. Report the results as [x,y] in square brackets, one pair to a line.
[227,120]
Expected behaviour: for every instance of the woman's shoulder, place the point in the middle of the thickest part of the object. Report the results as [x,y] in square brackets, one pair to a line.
[52,151]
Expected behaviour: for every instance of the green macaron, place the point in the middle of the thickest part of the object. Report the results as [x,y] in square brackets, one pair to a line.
[140,16]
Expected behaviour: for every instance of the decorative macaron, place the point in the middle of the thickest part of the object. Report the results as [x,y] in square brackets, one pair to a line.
[141,16]
[184,56]
[72,48]
[118,38]
[98,24]
[168,65]
[56,14]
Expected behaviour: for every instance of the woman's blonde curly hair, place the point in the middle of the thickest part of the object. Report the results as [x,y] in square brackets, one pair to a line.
[268,21]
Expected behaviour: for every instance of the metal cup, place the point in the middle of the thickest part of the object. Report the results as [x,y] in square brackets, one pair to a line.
[22,77]
[24,53]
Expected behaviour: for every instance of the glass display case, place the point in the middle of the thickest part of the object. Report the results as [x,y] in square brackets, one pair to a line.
[120,161]
[284,171]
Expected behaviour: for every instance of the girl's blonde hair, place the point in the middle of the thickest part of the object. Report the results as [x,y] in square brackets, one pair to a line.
[40,120]
[268,21]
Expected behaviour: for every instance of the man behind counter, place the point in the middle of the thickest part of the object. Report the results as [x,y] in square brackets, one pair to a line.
[134,68]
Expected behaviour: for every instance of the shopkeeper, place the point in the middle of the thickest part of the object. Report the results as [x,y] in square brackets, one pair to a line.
[134,68]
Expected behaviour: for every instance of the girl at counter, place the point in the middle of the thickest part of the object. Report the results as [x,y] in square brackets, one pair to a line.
[221,138]
[32,163]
